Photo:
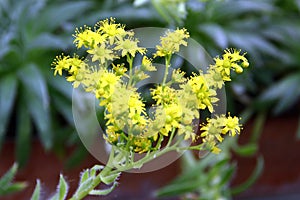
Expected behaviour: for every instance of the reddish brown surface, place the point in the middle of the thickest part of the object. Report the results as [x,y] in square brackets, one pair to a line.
[281,151]
[280,179]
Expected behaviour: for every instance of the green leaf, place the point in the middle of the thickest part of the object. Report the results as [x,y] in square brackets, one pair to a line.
[41,118]
[178,188]
[8,89]
[216,33]
[37,101]
[34,81]
[104,191]
[227,174]
[6,184]
[62,188]
[246,150]
[251,180]
[224,10]
[84,176]
[64,106]
[48,41]
[14,187]
[95,169]
[37,191]
[8,176]
[108,179]
[85,186]
[61,85]
[23,137]
[57,14]
[285,91]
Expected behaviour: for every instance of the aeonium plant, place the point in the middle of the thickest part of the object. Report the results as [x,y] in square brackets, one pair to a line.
[130,127]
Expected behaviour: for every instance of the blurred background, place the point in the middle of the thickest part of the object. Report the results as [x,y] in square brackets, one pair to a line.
[36,124]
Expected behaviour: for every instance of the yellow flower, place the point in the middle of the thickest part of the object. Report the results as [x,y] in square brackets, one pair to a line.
[120,69]
[178,76]
[173,113]
[213,129]
[147,64]
[111,30]
[142,144]
[164,95]
[232,126]
[188,132]
[129,46]
[111,135]
[171,42]
[87,38]
[231,59]
[72,65]
[61,63]
[102,54]
[136,109]
[106,86]
[214,78]
[205,96]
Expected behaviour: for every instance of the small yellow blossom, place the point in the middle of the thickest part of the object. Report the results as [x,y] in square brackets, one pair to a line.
[147,64]
[171,42]
[61,63]
[164,95]
[111,30]
[87,38]
[231,59]
[142,144]
[232,126]
[216,127]
[106,86]
[129,46]
[173,113]
[102,54]
[111,135]
[205,95]
[120,69]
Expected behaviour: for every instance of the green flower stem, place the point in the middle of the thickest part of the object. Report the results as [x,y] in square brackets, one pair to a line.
[167,63]
[171,137]
[130,62]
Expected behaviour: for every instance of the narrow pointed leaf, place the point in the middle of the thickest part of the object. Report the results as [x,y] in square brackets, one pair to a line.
[23,134]
[34,81]
[37,191]
[85,186]
[8,176]
[8,87]
[13,188]
[63,188]
[104,191]
[84,176]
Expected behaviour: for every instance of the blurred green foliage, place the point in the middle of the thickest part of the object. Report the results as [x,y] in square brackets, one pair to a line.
[31,99]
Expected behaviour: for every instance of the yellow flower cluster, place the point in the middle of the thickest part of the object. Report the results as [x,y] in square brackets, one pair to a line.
[216,128]
[128,124]
[170,43]
[220,71]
